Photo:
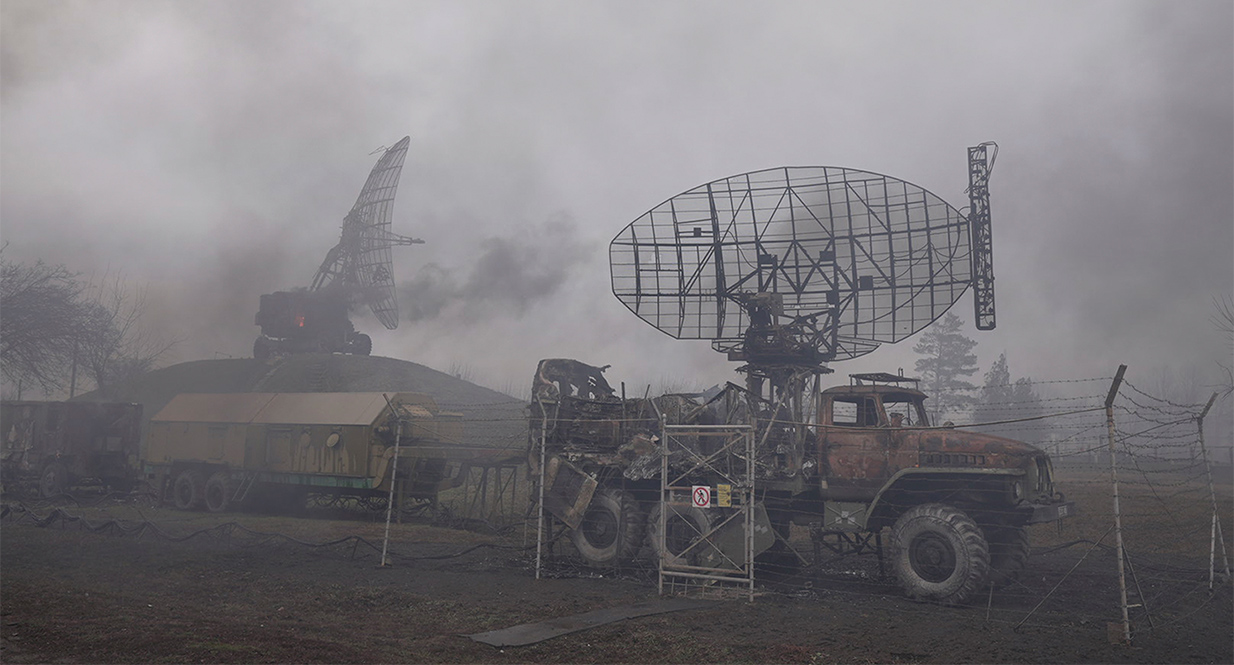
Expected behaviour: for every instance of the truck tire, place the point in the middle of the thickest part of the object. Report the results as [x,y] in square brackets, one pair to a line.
[261,349]
[1009,552]
[218,492]
[361,345]
[684,526]
[939,554]
[54,481]
[189,490]
[611,531]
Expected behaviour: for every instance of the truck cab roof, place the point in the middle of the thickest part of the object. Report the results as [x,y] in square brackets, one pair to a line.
[875,389]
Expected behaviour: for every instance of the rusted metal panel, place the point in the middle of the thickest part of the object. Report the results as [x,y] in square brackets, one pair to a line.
[568,491]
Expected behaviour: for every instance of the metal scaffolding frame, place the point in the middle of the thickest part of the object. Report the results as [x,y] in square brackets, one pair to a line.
[681,442]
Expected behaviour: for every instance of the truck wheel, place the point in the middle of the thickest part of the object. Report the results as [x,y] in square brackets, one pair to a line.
[612,529]
[1009,552]
[939,553]
[54,481]
[685,526]
[218,492]
[261,349]
[362,345]
[189,490]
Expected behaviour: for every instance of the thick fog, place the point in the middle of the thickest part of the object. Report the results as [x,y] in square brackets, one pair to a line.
[209,151]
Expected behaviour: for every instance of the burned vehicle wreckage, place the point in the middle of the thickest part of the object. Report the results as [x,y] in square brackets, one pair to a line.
[957,503]
[786,270]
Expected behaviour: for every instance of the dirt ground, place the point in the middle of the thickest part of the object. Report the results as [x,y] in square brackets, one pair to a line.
[69,595]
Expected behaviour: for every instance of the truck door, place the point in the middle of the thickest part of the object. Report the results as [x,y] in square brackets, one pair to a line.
[856,446]
[278,449]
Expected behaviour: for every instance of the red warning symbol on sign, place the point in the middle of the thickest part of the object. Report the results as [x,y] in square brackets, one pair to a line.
[701,496]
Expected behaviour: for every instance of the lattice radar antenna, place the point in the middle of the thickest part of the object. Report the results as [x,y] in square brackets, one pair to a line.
[789,268]
[360,264]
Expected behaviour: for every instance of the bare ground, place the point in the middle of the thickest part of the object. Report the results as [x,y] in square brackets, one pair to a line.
[71,595]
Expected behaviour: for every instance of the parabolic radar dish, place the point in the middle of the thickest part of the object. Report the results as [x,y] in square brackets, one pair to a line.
[866,258]
[360,264]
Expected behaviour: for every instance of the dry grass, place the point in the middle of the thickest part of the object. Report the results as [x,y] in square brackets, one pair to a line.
[1169,516]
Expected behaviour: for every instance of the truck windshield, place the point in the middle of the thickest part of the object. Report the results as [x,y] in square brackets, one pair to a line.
[854,412]
[909,408]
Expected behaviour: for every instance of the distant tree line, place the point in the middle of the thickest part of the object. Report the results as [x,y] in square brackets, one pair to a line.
[948,359]
[59,332]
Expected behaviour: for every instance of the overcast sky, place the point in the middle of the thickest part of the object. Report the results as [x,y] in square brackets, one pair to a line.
[209,151]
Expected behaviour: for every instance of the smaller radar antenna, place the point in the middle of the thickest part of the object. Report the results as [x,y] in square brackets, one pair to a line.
[358,270]
[360,264]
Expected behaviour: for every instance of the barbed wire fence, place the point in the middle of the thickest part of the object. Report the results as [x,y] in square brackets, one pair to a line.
[1173,516]
[1146,551]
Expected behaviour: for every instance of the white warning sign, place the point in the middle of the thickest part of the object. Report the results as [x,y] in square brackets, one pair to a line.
[701,494]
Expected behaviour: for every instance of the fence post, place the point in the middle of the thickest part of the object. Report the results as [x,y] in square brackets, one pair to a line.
[1212,493]
[543,454]
[398,440]
[1118,521]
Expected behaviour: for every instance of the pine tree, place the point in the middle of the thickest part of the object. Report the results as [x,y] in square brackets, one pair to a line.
[995,393]
[1028,405]
[948,359]
[1003,399]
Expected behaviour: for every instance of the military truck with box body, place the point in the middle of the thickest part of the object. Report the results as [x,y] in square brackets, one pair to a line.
[60,444]
[219,451]
[957,503]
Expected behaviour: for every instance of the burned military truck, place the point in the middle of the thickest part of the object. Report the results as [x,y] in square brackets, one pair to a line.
[956,503]
[60,444]
[787,270]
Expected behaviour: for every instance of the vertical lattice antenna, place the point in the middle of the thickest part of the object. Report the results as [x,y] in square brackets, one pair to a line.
[982,242]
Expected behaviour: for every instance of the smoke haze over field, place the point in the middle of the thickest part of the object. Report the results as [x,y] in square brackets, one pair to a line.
[210,151]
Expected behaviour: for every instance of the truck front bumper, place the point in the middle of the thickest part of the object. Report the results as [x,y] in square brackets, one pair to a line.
[1050,512]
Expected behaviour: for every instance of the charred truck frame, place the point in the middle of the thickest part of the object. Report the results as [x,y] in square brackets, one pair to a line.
[786,270]
[957,503]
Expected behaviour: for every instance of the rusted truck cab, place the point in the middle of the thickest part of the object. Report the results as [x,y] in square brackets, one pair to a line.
[875,441]
[957,501]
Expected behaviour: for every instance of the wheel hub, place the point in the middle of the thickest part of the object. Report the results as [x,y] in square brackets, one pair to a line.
[679,535]
[600,528]
[932,557]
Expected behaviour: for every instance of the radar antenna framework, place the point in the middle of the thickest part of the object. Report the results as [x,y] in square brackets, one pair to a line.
[788,269]
[357,271]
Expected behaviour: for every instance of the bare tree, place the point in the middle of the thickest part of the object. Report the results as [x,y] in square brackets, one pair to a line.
[40,319]
[115,347]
